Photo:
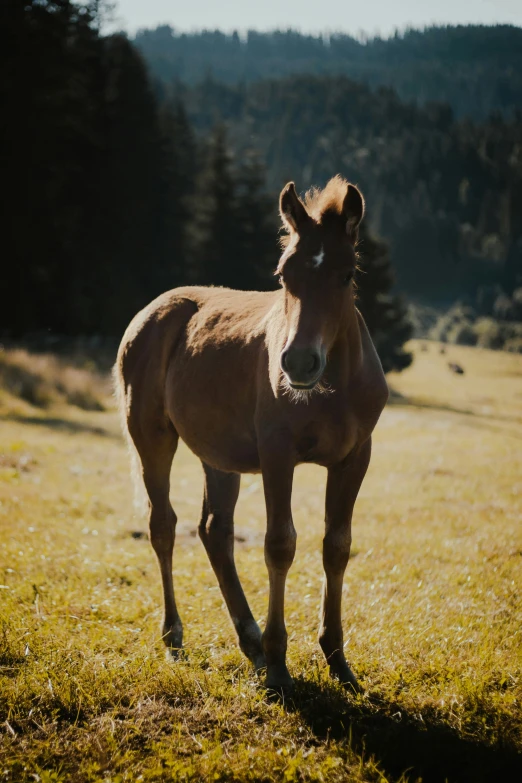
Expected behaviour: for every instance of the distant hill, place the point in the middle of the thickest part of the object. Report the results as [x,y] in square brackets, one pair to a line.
[443,189]
[475,69]
[446,193]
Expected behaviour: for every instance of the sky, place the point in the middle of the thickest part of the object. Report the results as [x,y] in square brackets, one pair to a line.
[381,17]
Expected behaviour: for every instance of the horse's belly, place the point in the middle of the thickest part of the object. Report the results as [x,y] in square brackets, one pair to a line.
[211,417]
[326,445]
[232,455]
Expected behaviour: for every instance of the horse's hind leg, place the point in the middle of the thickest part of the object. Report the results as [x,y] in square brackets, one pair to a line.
[216,531]
[156,448]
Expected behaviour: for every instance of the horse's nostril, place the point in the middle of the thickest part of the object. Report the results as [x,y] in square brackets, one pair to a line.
[300,363]
[314,363]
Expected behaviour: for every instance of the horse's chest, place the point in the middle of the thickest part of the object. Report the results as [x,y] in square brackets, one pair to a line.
[327,440]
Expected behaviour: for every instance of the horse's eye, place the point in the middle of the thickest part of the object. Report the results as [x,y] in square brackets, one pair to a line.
[347,279]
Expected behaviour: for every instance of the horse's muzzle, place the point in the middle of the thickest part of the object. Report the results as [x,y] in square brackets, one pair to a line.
[302,366]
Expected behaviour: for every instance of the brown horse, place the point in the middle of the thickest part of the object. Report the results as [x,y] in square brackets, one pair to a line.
[260,382]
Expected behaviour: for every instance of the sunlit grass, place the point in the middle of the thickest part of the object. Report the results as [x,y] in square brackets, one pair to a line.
[432,605]
[43,380]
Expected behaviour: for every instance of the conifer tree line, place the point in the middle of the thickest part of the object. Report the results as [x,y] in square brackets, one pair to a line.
[476,69]
[443,180]
[111,197]
[446,194]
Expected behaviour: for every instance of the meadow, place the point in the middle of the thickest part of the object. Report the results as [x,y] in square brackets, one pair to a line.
[432,603]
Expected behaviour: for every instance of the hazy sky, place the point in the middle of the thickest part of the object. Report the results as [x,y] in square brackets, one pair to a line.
[371,16]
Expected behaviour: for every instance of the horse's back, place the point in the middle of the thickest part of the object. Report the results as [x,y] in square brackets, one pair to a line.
[154,332]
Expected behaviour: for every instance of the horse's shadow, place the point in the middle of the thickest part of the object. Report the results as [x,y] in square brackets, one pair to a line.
[399,742]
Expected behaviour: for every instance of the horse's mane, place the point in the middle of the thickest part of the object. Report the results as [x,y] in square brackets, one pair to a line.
[322,201]
[328,200]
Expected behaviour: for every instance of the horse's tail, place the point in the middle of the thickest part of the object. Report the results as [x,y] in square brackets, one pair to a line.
[141,502]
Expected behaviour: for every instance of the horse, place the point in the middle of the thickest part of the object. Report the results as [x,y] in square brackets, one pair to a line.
[261,382]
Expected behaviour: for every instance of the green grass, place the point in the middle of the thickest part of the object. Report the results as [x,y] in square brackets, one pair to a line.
[432,605]
[43,380]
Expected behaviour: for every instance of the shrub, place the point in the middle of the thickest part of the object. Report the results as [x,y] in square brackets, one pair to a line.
[43,379]
[489,333]
[457,316]
[463,333]
[514,344]
[517,303]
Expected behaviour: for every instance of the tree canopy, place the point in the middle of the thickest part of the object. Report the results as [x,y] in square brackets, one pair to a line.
[444,193]
[476,69]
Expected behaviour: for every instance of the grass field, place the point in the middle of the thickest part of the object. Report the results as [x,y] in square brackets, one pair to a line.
[432,604]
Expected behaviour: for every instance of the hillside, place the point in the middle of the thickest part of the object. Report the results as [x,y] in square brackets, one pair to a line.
[445,194]
[431,608]
[475,69]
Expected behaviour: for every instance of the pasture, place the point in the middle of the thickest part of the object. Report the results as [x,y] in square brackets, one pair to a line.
[432,606]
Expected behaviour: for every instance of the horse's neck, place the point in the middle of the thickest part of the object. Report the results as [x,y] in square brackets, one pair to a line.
[346,356]
[274,324]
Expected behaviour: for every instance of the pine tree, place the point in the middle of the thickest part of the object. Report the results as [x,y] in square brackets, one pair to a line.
[256,221]
[179,170]
[383,311]
[48,128]
[126,256]
[213,230]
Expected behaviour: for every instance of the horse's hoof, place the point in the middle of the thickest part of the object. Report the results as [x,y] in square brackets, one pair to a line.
[175,654]
[259,663]
[346,677]
[251,644]
[172,636]
[278,679]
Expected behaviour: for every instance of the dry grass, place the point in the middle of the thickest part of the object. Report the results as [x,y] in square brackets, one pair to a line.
[432,605]
[44,380]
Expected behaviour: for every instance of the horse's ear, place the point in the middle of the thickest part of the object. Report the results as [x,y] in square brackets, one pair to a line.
[291,208]
[353,211]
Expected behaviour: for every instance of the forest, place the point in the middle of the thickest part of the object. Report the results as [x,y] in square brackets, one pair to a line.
[476,69]
[445,193]
[139,180]
[119,196]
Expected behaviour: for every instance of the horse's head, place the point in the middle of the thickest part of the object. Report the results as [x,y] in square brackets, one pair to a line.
[316,272]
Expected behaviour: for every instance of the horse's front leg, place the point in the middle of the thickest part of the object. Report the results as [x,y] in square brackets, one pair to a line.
[277,466]
[344,482]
